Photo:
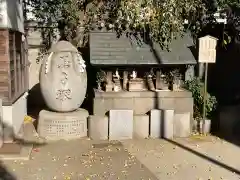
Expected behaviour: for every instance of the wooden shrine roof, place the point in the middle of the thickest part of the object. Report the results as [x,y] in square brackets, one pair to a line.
[107,49]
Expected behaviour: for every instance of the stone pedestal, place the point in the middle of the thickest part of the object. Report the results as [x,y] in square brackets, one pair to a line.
[98,127]
[55,126]
[141,126]
[160,81]
[150,83]
[155,123]
[168,120]
[109,87]
[182,124]
[117,84]
[120,124]
[136,85]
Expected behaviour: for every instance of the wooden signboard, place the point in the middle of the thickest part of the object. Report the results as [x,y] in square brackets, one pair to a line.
[207,49]
[207,54]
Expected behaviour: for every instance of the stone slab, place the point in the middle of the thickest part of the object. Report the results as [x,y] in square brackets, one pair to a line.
[182,124]
[168,121]
[155,123]
[120,124]
[98,127]
[141,126]
[56,126]
[23,154]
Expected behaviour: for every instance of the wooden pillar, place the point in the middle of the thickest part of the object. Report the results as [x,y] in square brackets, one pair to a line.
[109,85]
[125,80]
[158,79]
[189,73]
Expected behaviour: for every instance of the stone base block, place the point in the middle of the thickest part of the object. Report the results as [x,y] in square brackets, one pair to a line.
[70,125]
[168,120]
[155,123]
[120,124]
[98,127]
[109,87]
[182,124]
[141,126]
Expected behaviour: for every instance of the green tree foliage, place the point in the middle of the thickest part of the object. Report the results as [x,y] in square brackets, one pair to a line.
[163,20]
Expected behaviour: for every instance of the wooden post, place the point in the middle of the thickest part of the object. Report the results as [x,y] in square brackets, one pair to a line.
[158,79]
[125,80]
[207,54]
[205,98]
[109,85]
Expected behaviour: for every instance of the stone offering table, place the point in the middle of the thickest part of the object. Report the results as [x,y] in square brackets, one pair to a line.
[143,101]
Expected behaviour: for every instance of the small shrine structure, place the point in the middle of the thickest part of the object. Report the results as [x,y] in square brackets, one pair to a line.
[139,87]
[137,75]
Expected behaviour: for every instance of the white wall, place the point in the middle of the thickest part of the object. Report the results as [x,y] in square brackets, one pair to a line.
[13,115]
[12,15]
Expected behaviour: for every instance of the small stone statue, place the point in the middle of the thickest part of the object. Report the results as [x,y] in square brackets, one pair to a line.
[117,83]
[189,73]
[134,75]
[149,77]
[163,82]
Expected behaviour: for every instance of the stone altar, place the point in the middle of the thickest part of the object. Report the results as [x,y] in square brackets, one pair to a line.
[136,84]
[63,83]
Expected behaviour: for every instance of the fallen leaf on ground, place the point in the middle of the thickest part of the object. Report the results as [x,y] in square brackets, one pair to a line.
[36,150]
[67,178]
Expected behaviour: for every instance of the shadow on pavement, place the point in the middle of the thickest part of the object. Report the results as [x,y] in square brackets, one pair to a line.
[13,148]
[4,174]
[231,169]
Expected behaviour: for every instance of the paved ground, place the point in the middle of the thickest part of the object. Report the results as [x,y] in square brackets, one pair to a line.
[80,160]
[205,158]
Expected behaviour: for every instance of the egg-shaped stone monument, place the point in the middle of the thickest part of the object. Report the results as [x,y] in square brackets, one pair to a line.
[63,83]
[63,78]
